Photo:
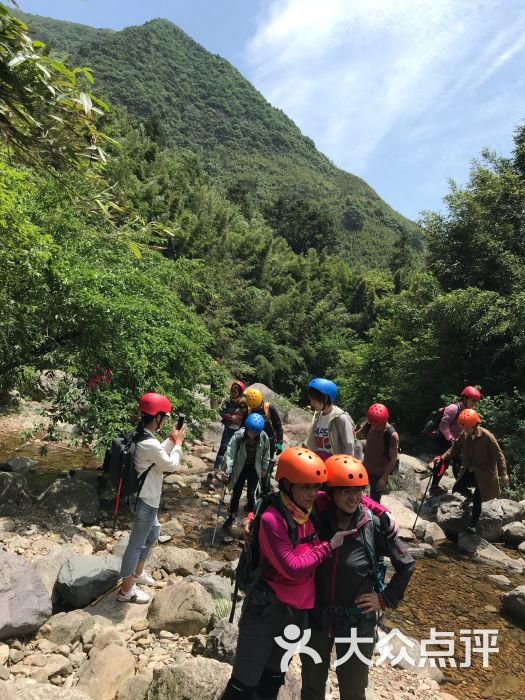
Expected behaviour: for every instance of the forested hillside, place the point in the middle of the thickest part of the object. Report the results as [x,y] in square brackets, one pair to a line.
[200,102]
[126,265]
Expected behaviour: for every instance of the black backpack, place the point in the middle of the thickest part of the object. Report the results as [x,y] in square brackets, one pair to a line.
[433,420]
[386,442]
[250,569]
[119,463]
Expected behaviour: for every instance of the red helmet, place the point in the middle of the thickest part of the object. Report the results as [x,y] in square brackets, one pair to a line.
[241,385]
[470,392]
[344,470]
[468,418]
[152,404]
[300,466]
[377,414]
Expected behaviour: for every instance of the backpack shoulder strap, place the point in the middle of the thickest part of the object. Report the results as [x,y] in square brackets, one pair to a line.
[367,532]
[276,502]
[386,439]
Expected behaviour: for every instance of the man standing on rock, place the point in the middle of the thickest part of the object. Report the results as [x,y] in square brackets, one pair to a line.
[381,451]
[484,466]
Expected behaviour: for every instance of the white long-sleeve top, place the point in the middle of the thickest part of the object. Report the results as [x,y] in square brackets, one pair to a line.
[164,456]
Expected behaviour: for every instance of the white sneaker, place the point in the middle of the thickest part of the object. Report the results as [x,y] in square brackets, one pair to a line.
[144,579]
[134,595]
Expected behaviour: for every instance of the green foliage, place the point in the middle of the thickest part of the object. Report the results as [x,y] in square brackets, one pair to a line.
[196,101]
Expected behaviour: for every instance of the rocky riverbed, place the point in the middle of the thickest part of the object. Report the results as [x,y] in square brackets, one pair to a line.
[59,554]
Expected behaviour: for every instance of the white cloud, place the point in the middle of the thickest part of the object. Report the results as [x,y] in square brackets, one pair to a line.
[358,74]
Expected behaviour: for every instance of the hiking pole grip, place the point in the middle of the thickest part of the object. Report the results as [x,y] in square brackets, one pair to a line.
[421,504]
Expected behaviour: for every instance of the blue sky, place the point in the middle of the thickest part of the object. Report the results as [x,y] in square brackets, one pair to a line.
[403,93]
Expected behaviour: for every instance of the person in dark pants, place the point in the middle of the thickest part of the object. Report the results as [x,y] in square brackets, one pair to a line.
[381,450]
[228,419]
[272,420]
[349,590]
[247,458]
[484,467]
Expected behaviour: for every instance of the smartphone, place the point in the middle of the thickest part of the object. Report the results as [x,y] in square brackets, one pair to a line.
[180,421]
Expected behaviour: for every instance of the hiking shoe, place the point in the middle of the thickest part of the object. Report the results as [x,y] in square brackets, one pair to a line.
[228,523]
[144,579]
[134,595]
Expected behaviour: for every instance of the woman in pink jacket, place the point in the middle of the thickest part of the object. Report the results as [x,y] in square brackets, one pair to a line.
[290,552]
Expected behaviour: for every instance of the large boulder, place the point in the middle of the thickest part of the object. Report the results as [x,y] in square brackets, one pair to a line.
[513,533]
[30,690]
[512,510]
[485,553]
[24,601]
[453,516]
[434,534]
[14,493]
[72,496]
[419,466]
[83,578]
[490,522]
[68,628]
[20,464]
[48,567]
[135,688]
[405,518]
[222,640]
[106,671]
[185,608]
[405,479]
[173,528]
[177,560]
[188,679]
[513,603]
[217,586]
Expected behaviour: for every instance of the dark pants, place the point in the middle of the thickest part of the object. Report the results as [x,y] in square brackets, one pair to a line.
[352,674]
[462,486]
[375,495]
[227,435]
[250,475]
[256,668]
[442,445]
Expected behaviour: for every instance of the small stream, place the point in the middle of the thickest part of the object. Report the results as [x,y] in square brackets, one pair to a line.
[450,593]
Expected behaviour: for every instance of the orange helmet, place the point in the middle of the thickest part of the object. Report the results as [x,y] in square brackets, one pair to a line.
[254,398]
[301,466]
[468,418]
[344,470]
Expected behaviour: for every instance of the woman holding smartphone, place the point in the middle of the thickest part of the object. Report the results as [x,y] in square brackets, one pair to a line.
[152,458]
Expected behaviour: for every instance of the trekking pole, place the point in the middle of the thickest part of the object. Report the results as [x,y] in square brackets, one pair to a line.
[221,502]
[234,601]
[422,501]
[117,501]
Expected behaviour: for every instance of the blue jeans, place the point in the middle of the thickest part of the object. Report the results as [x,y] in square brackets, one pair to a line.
[144,533]
[227,435]
[375,495]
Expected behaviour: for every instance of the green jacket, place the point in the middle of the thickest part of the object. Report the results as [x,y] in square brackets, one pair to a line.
[235,456]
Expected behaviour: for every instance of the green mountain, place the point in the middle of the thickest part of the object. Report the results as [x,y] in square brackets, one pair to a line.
[202,103]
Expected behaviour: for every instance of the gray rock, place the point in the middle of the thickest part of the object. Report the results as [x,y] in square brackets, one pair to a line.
[187,679]
[222,640]
[490,522]
[403,498]
[414,463]
[521,548]
[25,602]
[217,586]
[513,533]
[405,518]
[106,671]
[453,516]
[185,608]
[135,688]
[406,479]
[212,566]
[40,691]
[501,581]
[69,627]
[485,553]
[84,578]
[434,534]
[14,493]
[177,560]
[172,528]
[21,465]
[7,524]
[75,497]
[120,546]
[513,603]
[512,510]
[48,567]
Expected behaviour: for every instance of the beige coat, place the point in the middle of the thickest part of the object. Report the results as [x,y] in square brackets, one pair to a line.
[482,452]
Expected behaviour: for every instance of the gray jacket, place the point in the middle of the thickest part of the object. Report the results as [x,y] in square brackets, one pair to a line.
[341,433]
[235,456]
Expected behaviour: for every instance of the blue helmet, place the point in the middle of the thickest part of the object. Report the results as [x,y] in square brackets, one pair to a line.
[325,386]
[255,423]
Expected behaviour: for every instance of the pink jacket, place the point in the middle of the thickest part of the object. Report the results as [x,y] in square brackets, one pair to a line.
[449,425]
[292,571]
